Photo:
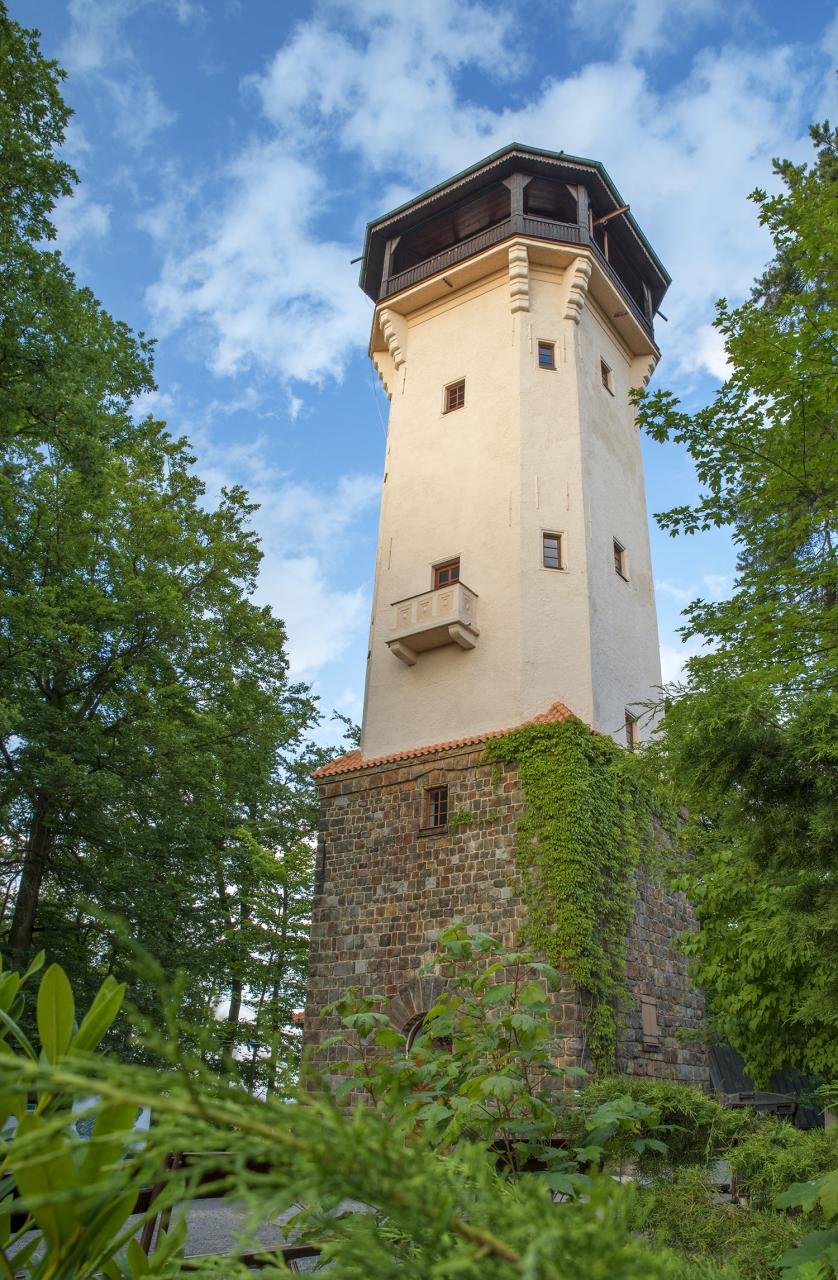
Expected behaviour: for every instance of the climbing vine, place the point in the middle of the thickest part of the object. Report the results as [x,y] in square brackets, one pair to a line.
[587,818]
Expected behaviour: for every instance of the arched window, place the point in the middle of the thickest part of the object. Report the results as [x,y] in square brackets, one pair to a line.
[413,1030]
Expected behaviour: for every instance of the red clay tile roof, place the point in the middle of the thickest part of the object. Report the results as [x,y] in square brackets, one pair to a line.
[354,760]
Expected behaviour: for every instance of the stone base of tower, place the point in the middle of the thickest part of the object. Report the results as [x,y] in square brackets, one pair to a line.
[386,886]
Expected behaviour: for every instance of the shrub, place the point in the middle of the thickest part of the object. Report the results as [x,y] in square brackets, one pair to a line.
[686,1214]
[775,1155]
[694,1127]
[427,1213]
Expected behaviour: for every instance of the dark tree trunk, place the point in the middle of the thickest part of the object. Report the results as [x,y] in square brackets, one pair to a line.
[38,851]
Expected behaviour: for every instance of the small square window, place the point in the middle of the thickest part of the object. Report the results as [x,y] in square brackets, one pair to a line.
[455,396]
[607,376]
[445,574]
[436,807]
[632,732]
[551,551]
[620,560]
[546,355]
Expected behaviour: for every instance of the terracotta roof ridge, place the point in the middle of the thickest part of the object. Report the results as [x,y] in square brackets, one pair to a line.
[353,760]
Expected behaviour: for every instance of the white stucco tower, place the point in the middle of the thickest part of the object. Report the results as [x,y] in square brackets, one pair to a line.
[514,311]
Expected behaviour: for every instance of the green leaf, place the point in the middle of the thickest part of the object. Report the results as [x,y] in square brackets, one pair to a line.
[9,986]
[497,1086]
[56,1013]
[23,1255]
[531,993]
[589,1154]
[11,1028]
[100,1016]
[35,964]
[498,993]
[551,975]
[46,1179]
[389,1038]
[814,1247]
[102,1232]
[170,1243]
[803,1195]
[564,1183]
[828,1193]
[137,1260]
[113,1125]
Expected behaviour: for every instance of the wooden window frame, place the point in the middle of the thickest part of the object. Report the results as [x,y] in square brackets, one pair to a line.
[649,1027]
[454,396]
[440,568]
[550,348]
[606,374]
[620,560]
[632,732]
[558,538]
[435,802]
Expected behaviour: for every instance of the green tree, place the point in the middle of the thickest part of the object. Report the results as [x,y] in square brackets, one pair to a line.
[146,716]
[749,741]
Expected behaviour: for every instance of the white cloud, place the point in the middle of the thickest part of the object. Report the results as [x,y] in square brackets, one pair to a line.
[382,80]
[97,46]
[713,586]
[644,27]
[709,354]
[269,293]
[717,585]
[674,657]
[682,595]
[139,111]
[306,535]
[321,622]
[361,82]
[79,219]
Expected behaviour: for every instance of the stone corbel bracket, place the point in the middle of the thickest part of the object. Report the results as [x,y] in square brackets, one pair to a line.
[394,330]
[642,368]
[578,277]
[384,368]
[519,278]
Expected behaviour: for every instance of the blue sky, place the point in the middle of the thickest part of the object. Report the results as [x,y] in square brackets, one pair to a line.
[231,152]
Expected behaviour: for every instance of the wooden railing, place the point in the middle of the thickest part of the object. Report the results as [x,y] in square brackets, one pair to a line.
[449,258]
[636,311]
[518,224]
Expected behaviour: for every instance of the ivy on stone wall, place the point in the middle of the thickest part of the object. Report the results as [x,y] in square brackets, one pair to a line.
[580,837]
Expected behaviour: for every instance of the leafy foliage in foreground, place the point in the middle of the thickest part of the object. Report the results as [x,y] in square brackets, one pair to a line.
[749,743]
[775,1155]
[483,1067]
[697,1128]
[432,1210]
[684,1214]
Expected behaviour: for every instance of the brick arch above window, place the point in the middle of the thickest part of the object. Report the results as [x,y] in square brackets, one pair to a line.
[413,1001]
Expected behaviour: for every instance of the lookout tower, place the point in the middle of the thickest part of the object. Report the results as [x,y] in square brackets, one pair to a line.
[514,312]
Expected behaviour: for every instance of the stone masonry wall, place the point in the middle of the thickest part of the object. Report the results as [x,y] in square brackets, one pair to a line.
[385,889]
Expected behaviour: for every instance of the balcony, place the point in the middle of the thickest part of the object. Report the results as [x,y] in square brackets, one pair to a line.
[431,620]
[537,228]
